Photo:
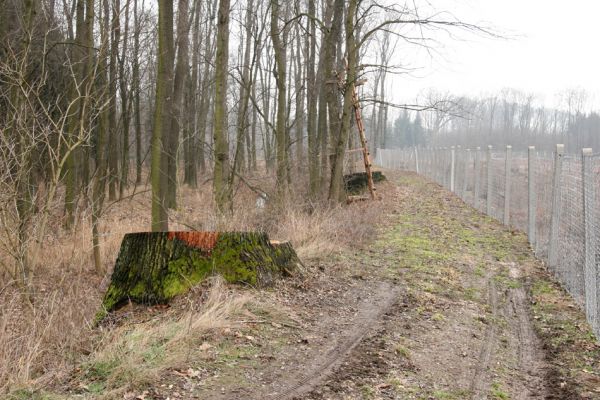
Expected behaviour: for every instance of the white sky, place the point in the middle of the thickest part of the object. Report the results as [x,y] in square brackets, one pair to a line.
[555,46]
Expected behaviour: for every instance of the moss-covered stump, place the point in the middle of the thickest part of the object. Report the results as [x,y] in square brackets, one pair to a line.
[154,267]
[357,182]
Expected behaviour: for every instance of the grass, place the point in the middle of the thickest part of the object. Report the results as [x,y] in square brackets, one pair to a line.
[42,341]
[134,356]
[498,393]
[402,351]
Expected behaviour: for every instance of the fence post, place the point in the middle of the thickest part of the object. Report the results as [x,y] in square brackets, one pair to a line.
[490,187]
[416,159]
[555,216]
[443,171]
[507,183]
[477,177]
[531,195]
[457,172]
[452,167]
[466,163]
[590,271]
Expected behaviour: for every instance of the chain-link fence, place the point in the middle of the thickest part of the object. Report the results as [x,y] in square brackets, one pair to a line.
[555,198]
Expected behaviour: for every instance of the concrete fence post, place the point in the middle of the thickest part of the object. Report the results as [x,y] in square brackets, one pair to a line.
[507,184]
[477,177]
[444,169]
[466,167]
[590,271]
[531,196]
[490,187]
[556,200]
[440,162]
[452,167]
[416,159]
[458,171]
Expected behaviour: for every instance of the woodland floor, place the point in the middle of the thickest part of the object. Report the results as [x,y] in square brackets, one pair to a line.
[445,303]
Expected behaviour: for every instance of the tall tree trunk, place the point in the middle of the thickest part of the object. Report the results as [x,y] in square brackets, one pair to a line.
[112,84]
[280,80]
[245,90]
[190,134]
[222,189]
[252,147]
[181,70]
[336,184]
[331,78]
[206,93]
[136,93]
[25,149]
[299,103]
[162,114]
[125,108]
[101,89]
[77,59]
[311,118]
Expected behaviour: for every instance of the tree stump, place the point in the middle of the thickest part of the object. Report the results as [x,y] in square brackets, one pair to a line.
[154,267]
[357,182]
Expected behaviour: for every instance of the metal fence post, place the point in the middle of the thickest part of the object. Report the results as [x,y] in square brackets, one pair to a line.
[490,187]
[555,216]
[477,177]
[531,195]
[452,167]
[507,183]
[590,267]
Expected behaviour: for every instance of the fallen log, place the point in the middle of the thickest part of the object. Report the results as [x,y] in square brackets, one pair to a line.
[154,267]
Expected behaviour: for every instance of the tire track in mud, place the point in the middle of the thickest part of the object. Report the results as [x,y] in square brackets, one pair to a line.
[369,316]
[531,364]
[480,382]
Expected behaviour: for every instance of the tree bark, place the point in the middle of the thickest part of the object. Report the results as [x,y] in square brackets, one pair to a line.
[136,93]
[311,118]
[162,113]
[190,132]
[125,108]
[280,73]
[112,85]
[152,268]
[245,90]
[181,71]
[222,190]
[336,184]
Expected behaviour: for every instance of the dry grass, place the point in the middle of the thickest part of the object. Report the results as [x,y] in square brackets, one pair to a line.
[43,341]
[131,356]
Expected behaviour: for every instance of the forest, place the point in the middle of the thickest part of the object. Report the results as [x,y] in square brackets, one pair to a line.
[237,120]
[101,99]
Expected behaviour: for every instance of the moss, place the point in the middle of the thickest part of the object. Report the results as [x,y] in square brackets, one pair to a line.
[155,267]
[357,182]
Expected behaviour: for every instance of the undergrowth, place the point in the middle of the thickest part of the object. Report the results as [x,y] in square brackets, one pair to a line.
[47,331]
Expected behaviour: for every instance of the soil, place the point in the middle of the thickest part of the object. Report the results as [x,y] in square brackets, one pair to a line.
[445,303]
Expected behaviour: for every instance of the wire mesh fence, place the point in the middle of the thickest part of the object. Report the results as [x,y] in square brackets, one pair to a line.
[555,198]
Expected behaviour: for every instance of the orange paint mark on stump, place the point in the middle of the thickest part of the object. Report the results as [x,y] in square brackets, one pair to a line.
[202,240]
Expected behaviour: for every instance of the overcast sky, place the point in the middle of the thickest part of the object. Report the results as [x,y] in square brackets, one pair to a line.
[554,45]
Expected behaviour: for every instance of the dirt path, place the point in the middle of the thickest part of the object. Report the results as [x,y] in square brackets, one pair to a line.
[441,306]
[480,383]
[328,357]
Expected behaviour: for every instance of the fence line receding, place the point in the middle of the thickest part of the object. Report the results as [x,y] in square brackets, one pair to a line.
[554,198]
